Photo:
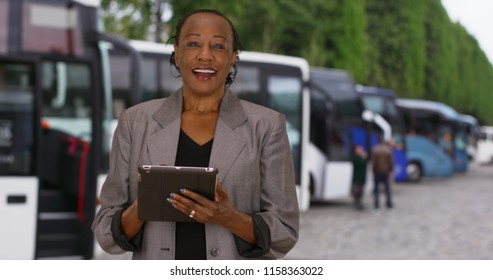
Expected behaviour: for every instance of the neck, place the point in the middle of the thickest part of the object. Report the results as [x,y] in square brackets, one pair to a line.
[201,104]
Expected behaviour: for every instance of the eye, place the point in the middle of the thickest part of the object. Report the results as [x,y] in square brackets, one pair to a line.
[219,46]
[192,44]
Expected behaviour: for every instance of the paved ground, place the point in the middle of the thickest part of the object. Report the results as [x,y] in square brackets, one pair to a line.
[434,219]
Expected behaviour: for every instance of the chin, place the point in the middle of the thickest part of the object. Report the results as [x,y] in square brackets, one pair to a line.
[206,90]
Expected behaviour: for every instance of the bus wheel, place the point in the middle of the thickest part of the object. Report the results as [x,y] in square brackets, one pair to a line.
[414,172]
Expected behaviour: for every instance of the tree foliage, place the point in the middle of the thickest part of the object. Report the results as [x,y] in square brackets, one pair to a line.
[410,46]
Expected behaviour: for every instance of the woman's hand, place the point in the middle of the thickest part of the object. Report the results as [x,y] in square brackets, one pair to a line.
[220,211]
[131,223]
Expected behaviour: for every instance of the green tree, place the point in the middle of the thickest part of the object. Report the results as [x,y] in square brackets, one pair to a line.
[135,19]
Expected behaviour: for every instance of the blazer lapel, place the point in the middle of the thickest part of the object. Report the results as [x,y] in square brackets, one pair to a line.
[227,143]
[163,143]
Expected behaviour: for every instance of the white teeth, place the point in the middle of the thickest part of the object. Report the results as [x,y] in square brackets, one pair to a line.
[204,71]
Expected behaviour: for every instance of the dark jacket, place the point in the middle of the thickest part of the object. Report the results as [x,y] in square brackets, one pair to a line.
[359,169]
[382,159]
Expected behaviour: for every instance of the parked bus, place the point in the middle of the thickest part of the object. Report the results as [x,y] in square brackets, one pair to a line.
[336,125]
[470,128]
[431,136]
[275,81]
[484,153]
[382,102]
[53,134]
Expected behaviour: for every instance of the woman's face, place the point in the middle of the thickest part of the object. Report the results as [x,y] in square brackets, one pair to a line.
[204,54]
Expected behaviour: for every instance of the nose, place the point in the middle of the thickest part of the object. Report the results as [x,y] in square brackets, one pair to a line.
[205,53]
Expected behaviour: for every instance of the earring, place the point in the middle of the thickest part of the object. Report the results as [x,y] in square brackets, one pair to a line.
[232,74]
[172,61]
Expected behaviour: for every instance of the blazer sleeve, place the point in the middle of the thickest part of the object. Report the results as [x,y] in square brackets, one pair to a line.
[279,203]
[114,194]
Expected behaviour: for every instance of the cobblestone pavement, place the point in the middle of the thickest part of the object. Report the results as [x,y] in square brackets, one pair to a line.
[448,218]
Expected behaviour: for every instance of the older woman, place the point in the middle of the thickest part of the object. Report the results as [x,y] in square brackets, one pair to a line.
[255,212]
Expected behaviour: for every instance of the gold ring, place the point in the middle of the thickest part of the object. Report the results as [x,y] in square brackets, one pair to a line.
[191,214]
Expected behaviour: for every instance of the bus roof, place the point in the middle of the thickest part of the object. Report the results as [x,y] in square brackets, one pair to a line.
[152,47]
[468,119]
[94,3]
[366,90]
[446,111]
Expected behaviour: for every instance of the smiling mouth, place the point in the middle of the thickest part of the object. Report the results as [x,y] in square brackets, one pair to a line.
[204,74]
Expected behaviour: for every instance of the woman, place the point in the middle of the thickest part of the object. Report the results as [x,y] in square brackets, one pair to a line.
[255,212]
[359,160]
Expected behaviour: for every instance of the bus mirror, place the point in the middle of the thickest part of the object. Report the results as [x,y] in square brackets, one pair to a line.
[367,115]
[61,92]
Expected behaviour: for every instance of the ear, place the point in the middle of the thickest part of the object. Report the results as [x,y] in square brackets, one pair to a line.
[234,58]
[175,49]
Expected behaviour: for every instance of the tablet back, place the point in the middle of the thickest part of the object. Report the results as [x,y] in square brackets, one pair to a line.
[157,182]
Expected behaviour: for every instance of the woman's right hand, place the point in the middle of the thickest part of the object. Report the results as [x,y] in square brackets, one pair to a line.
[131,224]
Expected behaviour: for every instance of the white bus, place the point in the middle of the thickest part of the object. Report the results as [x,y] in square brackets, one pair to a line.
[484,154]
[336,126]
[275,81]
[54,84]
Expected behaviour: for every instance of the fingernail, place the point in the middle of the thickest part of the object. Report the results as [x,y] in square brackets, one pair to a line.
[182,190]
[168,199]
[172,195]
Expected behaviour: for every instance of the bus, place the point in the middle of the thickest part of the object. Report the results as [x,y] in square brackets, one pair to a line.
[484,153]
[382,102]
[431,136]
[336,125]
[470,128]
[275,81]
[54,84]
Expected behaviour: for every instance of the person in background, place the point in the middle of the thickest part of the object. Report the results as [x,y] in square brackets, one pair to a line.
[383,165]
[255,212]
[359,160]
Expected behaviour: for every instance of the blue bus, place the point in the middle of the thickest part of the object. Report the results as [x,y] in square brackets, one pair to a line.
[431,136]
[470,127]
[382,101]
[336,125]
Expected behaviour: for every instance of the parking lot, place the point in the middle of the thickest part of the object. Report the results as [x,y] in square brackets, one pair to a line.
[449,218]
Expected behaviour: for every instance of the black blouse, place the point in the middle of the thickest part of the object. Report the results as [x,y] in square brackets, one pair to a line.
[190,237]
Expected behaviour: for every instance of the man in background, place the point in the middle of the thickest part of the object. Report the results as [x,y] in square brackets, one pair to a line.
[383,166]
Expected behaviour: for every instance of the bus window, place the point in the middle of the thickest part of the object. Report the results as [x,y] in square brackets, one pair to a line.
[50,28]
[66,98]
[375,104]
[285,98]
[169,80]
[318,120]
[3,26]
[247,84]
[16,119]
[120,83]
[149,79]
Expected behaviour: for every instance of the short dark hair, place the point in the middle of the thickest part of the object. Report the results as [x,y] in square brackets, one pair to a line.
[181,22]
[236,40]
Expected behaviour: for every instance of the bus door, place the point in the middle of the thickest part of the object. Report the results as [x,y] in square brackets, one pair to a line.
[50,128]
[18,157]
[67,176]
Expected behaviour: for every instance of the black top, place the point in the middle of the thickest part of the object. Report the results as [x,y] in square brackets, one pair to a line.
[190,237]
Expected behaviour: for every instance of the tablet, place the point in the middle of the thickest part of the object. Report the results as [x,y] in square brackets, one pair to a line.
[156,182]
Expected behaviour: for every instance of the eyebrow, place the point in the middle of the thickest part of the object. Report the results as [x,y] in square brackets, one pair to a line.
[214,36]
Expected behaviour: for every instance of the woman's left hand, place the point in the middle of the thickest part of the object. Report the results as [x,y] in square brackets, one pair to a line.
[220,211]
[202,209]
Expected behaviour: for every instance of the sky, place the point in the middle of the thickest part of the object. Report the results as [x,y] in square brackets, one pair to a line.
[477,17]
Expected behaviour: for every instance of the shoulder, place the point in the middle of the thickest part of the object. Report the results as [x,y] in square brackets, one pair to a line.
[145,108]
[257,112]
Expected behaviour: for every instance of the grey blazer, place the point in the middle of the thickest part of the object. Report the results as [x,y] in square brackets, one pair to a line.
[251,151]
